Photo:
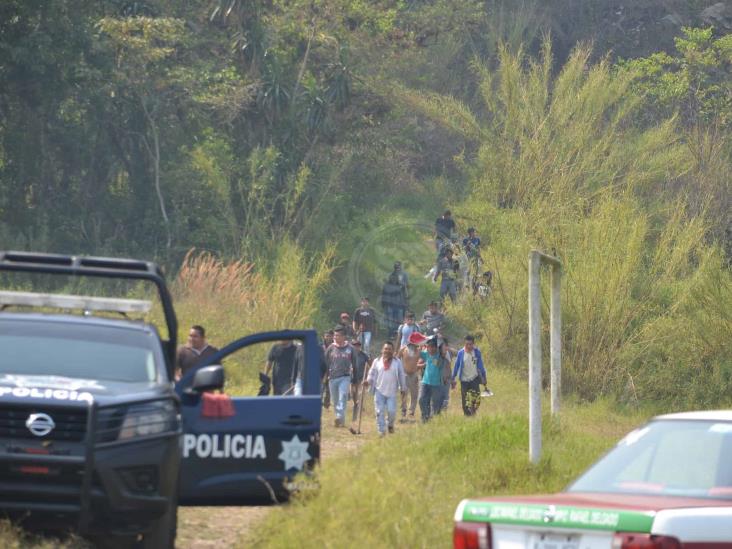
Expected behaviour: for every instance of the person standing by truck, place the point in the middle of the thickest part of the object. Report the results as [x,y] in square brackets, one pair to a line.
[194,351]
[341,360]
[281,367]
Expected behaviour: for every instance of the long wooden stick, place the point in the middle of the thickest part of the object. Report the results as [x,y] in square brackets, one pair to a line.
[360,402]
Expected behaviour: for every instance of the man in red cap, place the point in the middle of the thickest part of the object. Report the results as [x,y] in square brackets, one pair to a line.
[409,355]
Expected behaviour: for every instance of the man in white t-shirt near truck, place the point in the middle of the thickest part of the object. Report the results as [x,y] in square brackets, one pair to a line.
[469,369]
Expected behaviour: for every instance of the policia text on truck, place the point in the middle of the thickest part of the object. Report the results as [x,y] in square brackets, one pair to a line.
[95,435]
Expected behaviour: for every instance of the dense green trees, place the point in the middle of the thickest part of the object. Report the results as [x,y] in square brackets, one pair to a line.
[148,128]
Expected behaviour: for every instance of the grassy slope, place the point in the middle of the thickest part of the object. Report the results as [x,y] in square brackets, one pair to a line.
[402,491]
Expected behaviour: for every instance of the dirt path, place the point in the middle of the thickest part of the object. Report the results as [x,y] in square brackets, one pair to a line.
[208,527]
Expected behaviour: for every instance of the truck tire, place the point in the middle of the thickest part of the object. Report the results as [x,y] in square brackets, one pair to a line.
[162,532]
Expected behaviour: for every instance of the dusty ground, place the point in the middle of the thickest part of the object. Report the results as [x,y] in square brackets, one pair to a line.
[208,527]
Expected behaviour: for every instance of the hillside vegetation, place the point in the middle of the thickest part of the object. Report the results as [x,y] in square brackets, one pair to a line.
[296,146]
[267,133]
[566,164]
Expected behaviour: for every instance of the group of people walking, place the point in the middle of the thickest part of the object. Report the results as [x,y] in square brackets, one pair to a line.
[415,366]
[420,369]
[459,263]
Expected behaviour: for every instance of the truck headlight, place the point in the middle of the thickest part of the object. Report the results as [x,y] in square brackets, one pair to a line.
[150,418]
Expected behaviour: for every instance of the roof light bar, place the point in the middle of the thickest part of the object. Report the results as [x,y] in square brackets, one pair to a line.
[86,303]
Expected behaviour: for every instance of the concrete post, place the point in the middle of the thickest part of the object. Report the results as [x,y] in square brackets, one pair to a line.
[534,357]
[556,339]
[535,260]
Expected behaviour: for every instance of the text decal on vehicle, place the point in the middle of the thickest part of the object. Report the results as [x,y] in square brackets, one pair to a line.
[224,446]
[55,394]
[557,515]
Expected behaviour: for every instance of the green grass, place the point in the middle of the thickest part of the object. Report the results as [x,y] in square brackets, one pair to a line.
[402,491]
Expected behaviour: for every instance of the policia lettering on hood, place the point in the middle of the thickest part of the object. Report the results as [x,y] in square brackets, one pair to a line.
[57,394]
[224,446]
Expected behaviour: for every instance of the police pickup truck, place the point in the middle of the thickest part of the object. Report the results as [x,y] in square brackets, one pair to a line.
[97,436]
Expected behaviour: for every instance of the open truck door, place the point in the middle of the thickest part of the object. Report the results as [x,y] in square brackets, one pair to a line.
[246,450]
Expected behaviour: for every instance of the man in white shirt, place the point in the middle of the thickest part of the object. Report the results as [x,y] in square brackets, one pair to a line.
[386,379]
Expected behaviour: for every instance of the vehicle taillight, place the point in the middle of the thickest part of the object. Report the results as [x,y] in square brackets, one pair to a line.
[471,535]
[645,541]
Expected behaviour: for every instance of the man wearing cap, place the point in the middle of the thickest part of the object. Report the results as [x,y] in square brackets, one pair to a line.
[409,355]
[345,322]
[386,378]
[360,370]
[341,360]
[364,324]
[430,390]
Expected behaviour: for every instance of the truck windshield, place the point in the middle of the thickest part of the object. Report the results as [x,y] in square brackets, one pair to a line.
[76,350]
[667,457]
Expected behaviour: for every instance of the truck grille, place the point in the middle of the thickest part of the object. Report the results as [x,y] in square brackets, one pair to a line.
[70,425]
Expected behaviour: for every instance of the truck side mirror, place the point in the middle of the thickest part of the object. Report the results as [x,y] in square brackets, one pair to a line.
[208,378]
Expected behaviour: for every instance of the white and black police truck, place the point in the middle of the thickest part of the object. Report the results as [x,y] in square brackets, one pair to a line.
[96,435]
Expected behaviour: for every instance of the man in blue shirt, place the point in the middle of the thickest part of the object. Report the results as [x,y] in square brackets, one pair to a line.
[430,390]
[471,243]
[469,369]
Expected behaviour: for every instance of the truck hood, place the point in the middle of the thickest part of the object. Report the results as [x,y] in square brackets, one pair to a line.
[49,390]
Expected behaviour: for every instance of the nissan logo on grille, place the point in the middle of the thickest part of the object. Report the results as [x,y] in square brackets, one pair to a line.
[40,424]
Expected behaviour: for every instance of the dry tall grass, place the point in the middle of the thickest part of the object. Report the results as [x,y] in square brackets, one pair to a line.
[238,298]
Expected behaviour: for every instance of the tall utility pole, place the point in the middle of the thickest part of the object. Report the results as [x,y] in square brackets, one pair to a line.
[536,258]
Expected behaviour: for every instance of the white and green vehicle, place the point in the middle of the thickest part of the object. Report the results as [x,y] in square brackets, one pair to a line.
[666,485]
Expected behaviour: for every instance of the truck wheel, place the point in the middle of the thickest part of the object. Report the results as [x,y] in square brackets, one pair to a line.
[163,531]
